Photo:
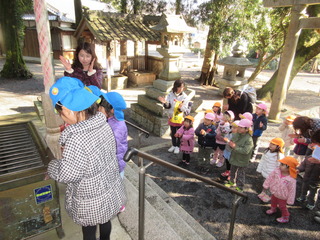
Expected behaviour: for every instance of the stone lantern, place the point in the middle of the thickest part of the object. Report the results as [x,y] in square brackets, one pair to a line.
[148,111]
[172,29]
[234,69]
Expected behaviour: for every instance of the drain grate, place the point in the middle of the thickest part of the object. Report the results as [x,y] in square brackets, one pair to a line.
[18,148]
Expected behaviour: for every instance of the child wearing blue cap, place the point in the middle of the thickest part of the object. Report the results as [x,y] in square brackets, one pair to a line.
[112,105]
[89,167]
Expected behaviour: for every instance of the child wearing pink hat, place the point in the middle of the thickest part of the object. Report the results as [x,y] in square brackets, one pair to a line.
[222,129]
[241,145]
[260,122]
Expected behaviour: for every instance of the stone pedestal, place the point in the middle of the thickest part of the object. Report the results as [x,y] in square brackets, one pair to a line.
[149,112]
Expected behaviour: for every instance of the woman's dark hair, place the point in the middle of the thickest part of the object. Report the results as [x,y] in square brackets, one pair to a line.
[88,48]
[304,124]
[228,92]
[315,138]
[177,84]
[89,112]
[233,95]
[106,105]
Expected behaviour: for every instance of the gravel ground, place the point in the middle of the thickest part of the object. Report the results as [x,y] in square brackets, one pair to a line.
[209,205]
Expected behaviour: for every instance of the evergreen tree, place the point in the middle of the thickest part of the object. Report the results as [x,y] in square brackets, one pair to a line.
[13,31]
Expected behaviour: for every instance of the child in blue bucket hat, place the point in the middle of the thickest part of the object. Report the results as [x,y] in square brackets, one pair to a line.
[112,105]
[89,166]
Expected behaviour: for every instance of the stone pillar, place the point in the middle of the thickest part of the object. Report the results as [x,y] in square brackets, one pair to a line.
[286,62]
[53,122]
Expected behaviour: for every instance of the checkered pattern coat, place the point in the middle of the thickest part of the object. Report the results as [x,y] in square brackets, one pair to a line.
[89,167]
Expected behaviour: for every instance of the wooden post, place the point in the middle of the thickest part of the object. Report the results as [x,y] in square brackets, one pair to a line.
[146,53]
[123,52]
[286,62]
[136,56]
[44,37]
[53,121]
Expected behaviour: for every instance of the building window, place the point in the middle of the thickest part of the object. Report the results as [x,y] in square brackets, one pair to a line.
[68,42]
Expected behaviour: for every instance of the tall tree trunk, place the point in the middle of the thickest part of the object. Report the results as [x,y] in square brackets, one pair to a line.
[178,7]
[136,6]
[124,6]
[302,56]
[77,11]
[11,22]
[207,62]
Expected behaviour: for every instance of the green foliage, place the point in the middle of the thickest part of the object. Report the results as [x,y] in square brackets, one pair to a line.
[197,50]
[13,32]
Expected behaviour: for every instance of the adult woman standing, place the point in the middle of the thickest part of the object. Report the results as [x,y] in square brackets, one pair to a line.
[85,66]
[176,103]
[238,102]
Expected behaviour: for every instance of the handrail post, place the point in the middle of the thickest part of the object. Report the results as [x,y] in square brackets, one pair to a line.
[235,205]
[142,177]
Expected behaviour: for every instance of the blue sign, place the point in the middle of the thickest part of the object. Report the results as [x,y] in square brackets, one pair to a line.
[43,194]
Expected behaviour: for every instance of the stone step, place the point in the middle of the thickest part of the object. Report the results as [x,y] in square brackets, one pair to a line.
[156,227]
[179,220]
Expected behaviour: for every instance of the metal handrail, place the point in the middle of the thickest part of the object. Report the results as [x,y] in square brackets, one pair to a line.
[138,128]
[142,155]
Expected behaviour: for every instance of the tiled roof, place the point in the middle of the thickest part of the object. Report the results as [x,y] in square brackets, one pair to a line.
[115,26]
[53,15]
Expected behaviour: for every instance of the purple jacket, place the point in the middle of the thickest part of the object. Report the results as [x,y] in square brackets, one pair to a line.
[187,139]
[120,132]
[95,79]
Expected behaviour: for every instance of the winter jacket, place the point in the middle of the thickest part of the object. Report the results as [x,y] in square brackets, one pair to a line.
[208,140]
[311,171]
[187,139]
[285,131]
[281,187]
[222,129]
[241,105]
[171,100]
[120,132]
[241,154]
[300,148]
[257,130]
[95,79]
[89,167]
[269,162]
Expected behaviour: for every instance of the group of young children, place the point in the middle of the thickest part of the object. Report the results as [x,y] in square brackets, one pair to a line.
[235,143]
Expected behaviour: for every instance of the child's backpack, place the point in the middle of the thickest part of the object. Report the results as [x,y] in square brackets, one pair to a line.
[251,91]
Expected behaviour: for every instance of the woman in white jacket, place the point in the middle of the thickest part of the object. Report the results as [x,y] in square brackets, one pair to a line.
[176,103]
